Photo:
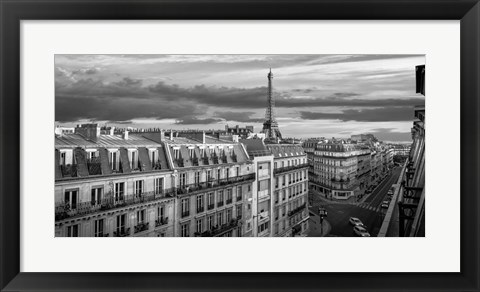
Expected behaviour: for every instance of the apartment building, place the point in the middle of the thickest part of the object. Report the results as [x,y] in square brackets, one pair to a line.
[144,184]
[290,200]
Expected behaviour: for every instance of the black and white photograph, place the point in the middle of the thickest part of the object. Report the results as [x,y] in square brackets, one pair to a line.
[239,145]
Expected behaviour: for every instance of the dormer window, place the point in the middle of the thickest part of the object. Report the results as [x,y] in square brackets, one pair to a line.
[114,160]
[134,159]
[176,153]
[191,152]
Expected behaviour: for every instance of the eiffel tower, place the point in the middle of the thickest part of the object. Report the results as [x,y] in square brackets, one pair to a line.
[270,126]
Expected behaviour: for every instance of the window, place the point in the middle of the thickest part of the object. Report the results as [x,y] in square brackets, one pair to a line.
[209,175]
[283,180]
[276,182]
[249,188]
[141,216]
[218,173]
[72,231]
[229,196]
[238,171]
[158,185]
[229,215]
[63,158]
[138,188]
[134,160]
[71,199]
[119,191]
[210,201]
[283,195]
[239,193]
[161,212]
[284,210]
[276,197]
[263,227]
[185,229]
[210,222]
[199,225]
[153,157]
[197,177]
[190,152]
[185,207]
[220,198]
[99,224]
[183,179]
[176,153]
[121,223]
[200,204]
[219,218]
[239,211]
[114,160]
[96,195]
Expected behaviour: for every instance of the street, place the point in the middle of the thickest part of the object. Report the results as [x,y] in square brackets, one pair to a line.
[369,212]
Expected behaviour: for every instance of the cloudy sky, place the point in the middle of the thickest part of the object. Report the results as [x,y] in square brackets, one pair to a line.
[316,95]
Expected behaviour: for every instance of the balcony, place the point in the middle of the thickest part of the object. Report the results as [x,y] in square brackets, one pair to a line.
[141,227]
[205,160]
[122,232]
[195,161]
[220,204]
[234,157]
[223,159]
[195,188]
[161,222]
[200,209]
[229,201]
[239,198]
[156,165]
[215,159]
[102,235]
[289,168]
[179,162]
[297,210]
[210,207]
[65,210]
[69,170]
[219,230]
[94,166]
[185,214]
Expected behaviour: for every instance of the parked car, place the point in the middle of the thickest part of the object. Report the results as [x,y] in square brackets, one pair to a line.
[355,221]
[385,204]
[361,231]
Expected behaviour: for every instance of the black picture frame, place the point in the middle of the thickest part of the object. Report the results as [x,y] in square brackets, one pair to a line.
[13,11]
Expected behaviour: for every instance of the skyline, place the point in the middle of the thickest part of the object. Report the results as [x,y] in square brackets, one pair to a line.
[316,95]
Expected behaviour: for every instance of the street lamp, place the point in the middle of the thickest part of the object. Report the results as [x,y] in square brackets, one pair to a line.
[322,212]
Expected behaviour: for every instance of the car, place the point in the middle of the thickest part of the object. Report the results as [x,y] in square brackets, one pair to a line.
[385,204]
[355,221]
[361,231]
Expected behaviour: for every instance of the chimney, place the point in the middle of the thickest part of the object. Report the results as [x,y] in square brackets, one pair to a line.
[171,135]
[203,137]
[162,135]
[125,135]
[88,131]
[112,131]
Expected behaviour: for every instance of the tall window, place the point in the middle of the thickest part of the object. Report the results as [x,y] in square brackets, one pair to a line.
[200,203]
[63,158]
[153,157]
[119,191]
[176,153]
[121,223]
[219,218]
[210,222]
[199,225]
[72,231]
[239,211]
[210,201]
[197,177]
[71,199]
[183,179]
[138,188]
[99,224]
[229,215]
[209,175]
[161,212]
[158,185]
[218,173]
[190,152]
[185,229]
[141,216]
[134,160]
[220,199]
[96,195]
[229,196]
[114,160]
[239,193]
[185,207]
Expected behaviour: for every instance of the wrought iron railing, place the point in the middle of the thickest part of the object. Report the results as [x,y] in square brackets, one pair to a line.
[218,230]
[213,184]
[141,227]
[65,210]
[69,170]
[161,221]
[122,232]
[289,168]
[297,210]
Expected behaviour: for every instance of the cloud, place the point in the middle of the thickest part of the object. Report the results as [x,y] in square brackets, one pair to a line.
[196,121]
[243,117]
[390,134]
[383,114]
